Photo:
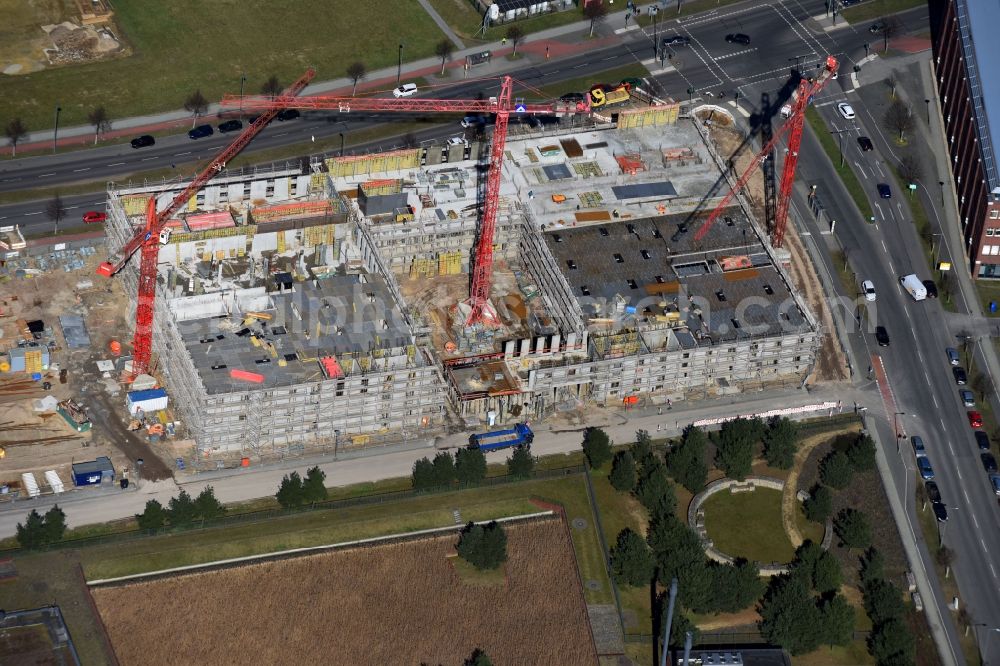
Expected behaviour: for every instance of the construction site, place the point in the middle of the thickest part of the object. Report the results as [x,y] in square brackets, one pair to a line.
[345,303]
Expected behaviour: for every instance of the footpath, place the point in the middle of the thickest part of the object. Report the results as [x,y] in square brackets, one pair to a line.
[558,42]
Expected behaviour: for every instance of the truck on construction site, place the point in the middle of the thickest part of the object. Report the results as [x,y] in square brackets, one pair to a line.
[914,287]
[494,440]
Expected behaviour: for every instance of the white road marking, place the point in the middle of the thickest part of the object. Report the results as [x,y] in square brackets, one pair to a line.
[884,248]
[937,407]
[45,175]
[974,521]
[586,64]
[992,570]
[733,55]
[83,169]
[37,212]
[146,159]
[182,154]
[71,207]
[861,169]
[116,164]
[282,134]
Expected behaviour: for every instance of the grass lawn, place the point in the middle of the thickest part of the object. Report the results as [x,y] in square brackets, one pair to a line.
[832,149]
[874,9]
[583,83]
[748,525]
[473,576]
[854,653]
[988,290]
[178,48]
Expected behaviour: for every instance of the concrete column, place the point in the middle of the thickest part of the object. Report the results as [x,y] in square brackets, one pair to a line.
[525,346]
[556,339]
[539,344]
[508,348]
[570,341]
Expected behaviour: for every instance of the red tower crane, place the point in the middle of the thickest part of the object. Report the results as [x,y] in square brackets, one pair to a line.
[503,105]
[793,127]
[148,238]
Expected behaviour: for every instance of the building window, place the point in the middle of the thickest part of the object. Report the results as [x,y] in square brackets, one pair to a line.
[995,214]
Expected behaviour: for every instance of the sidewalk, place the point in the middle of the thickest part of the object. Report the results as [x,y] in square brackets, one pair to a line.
[560,41]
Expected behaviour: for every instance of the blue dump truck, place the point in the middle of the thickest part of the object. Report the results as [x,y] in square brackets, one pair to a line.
[494,440]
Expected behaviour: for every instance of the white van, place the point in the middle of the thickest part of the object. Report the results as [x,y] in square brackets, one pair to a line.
[912,284]
[405,90]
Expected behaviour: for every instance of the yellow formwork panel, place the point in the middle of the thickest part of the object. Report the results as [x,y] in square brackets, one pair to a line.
[134,204]
[193,203]
[281,241]
[33,361]
[652,116]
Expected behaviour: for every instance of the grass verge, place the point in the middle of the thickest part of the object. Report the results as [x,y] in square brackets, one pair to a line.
[583,83]
[874,9]
[832,150]
[748,525]
[848,278]
[989,292]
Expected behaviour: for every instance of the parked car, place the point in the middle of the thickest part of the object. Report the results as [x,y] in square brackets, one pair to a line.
[924,465]
[940,511]
[405,90]
[876,28]
[94,217]
[960,377]
[846,110]
[982,440]
[738,38]
[968,398]
[201,131]
[881,336]
[866,144]
[143,141]
[933,494]
[676,40]
[476,121]
[884,190]
[918,445]
[995,482]
[931,288]
[953,356]
[288,114]
[975,419]
[868,287]
[230,126]
[989,462]
[570,97]
[457,141]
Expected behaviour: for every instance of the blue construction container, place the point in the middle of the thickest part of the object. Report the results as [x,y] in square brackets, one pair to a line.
[93,472]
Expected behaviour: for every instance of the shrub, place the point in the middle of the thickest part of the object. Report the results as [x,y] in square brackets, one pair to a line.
[483,546]
[819,506]
[853,528]
[835,470]
[623,473]
[597,447]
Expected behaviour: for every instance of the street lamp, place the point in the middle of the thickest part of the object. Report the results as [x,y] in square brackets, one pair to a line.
[341,144]
[138,471]
[55,132]
[243,80]
[895,427]
[399,64]
[928,103]
[840,136]
[655,12]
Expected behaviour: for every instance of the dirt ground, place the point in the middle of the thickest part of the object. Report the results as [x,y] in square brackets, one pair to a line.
[831,363]
[396,603]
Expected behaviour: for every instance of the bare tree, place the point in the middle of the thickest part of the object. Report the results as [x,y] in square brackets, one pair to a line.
[890,28]
[983,385]
[56,210]
[515,34]
[196,104]
[965,619]
[944,558]
[443,50]
[595,12]
[99,119]
[891,82]
[410,140]
[910,168]
[356,71]
[272,87]
[899,118]
[15,131]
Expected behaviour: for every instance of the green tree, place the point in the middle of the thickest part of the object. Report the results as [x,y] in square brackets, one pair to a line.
[891,640]
[55,524]
[837,618]
[290,493]
[595,12]
[515,34]
[422,477]
[181,510]
[153,517]
[443,50]
[686,461]
[15,130]
[827,576]
[271,87]
[314,485]
[642,448]
[597,447]
[655,491]
[735,586]
[98,117]
[803,566]
[883,601]
[355,72]
[444,468]
[835,470]
[819,506]
[872,566]
[521,463]
[483,546]
[196,104]
[781,442]
[631,561]
[206,506]
[470,466]
[853,528]
[737,441]
[680,626]
[623,473]
[478,658]
[31,534]
[790,617]
[678,554]
[861,454]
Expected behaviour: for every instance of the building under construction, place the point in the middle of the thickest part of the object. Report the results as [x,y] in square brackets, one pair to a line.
[328,306]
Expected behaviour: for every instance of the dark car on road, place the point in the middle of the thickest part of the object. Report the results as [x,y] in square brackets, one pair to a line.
[940,511]
[918,445]
[738,38]
[982,440]
[866,144]
[677,40]
[960,377]
[931,288]
[933,494]
[288,114]
[201,131]
[924,466]
[881,336]
[230,126]
[989,462]
[884,191]
[876,28]
[143,141]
